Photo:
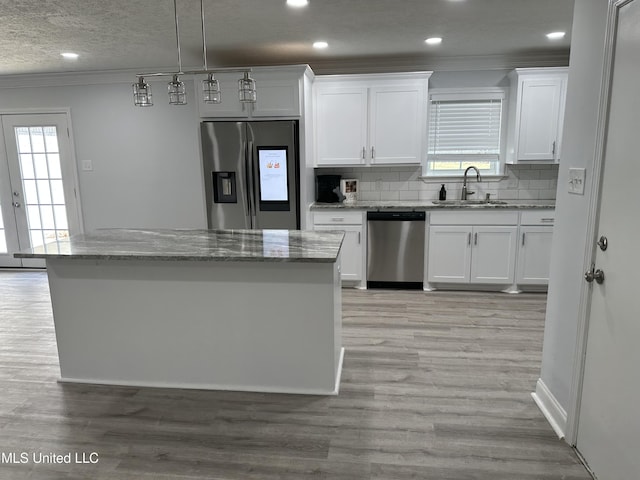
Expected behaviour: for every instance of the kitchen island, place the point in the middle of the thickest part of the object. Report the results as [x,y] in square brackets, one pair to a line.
[251,310]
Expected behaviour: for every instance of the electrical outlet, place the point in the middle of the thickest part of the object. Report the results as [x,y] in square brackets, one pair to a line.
[576,180]
[87,166]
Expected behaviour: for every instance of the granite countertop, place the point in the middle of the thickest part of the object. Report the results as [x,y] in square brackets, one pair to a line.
[196,245]
[430,205]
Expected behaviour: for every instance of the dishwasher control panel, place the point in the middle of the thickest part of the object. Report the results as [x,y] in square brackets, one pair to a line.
[391,215]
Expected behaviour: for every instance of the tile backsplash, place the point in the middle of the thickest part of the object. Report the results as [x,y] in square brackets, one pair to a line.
[520,182]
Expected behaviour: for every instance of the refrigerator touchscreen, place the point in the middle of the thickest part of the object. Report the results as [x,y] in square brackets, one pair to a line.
[272,163]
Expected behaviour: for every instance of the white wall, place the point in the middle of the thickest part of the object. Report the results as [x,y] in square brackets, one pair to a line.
[146,161]
[569,238]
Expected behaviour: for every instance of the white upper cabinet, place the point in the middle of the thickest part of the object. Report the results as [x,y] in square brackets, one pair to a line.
[370,119]
[279,93]
[397,124]
[341,125]
[536,114]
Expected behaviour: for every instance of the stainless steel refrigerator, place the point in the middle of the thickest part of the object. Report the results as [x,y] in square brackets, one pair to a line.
[251,174]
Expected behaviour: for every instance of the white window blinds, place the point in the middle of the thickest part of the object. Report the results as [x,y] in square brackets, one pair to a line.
[464,129]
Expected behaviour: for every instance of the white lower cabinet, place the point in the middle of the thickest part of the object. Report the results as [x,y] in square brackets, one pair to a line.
[449,258]
[465,253]
[352,254]
[493,255]
[534,251]
[471,254]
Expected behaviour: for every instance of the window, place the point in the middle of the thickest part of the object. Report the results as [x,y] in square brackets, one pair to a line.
[464,129]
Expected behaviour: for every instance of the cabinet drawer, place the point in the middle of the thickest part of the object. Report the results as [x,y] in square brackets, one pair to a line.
[474,218]
[337,217]
[537,217]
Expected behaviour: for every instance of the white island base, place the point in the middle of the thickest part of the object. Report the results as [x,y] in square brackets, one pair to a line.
[222,325]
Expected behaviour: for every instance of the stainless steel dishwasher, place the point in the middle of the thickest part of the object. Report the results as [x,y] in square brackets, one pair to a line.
[395,249]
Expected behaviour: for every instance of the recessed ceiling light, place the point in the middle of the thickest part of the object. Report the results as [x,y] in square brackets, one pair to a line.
[433,41]
[320,45]
[297,3]
[555,35]
[70,56]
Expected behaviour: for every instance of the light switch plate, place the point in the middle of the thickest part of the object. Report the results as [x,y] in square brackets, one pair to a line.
[576,180]
[87,166]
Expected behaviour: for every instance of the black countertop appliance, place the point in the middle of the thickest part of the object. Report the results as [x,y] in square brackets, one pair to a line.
[328,189]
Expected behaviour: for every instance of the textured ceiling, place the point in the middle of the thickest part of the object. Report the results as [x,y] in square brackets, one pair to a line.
[140,35]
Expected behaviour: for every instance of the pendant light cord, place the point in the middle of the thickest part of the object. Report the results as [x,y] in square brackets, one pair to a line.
[175,16]
[204,37]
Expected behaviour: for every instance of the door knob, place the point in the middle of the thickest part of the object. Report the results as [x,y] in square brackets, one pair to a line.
[603,243]
[594,274]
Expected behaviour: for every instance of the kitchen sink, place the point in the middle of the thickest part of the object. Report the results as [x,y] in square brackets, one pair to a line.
[469,202]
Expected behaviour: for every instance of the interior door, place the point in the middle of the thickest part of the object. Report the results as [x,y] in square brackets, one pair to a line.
[608,423]
[38,185]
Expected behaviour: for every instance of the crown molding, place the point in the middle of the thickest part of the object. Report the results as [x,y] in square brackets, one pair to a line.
[421,63]
[119,76]
[328,67]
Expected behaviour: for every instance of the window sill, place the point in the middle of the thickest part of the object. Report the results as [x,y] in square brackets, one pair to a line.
[460,178]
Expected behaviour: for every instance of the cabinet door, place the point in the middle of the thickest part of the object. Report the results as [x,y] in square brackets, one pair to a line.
[534,256]
[397,129]
[351,253]
[449,257]
[540,107]
[277,97]
[494,255]
[341,125]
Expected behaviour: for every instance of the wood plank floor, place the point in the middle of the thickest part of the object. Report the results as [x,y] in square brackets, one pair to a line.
[435,386]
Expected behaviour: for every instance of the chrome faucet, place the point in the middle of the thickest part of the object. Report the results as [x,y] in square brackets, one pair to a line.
[464,183]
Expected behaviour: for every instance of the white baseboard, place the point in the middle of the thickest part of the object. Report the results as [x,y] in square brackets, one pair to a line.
[550,408]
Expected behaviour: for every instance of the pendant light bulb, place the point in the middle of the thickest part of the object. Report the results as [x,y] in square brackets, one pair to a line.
[177,91]
[247,89]
[142,93]
[211,90]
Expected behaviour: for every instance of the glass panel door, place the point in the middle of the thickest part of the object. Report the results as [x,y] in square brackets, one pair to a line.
[42,182]
[39,158]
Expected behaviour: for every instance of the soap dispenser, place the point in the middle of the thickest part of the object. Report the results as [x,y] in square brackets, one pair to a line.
[443,193]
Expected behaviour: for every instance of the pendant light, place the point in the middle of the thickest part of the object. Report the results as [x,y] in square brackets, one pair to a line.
[177,91]
[247,89]
[142,93]
[210,86]
[176,88]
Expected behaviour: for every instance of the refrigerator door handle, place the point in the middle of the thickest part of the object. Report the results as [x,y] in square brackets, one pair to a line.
[247,181]
[251,190]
